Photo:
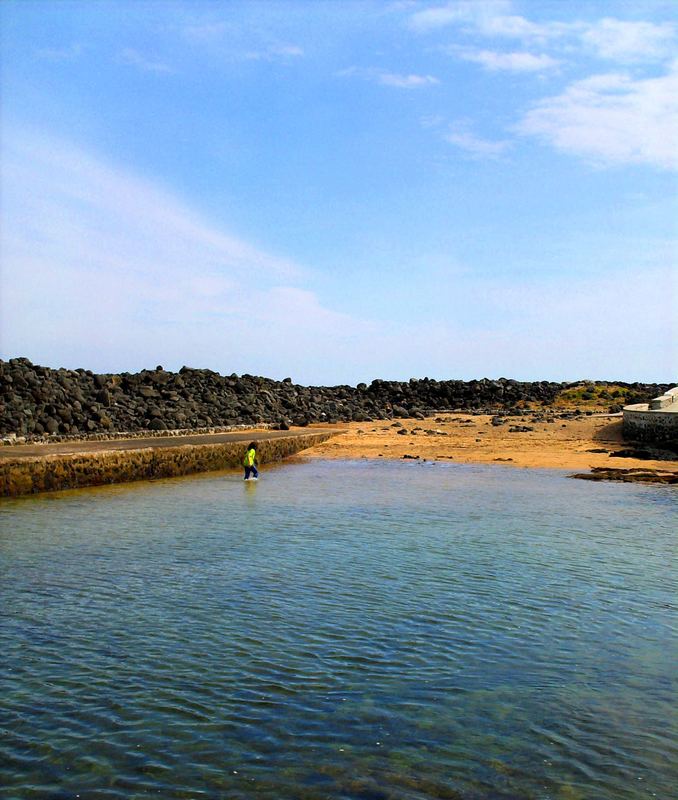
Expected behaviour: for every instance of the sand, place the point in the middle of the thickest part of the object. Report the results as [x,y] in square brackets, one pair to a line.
[462,438]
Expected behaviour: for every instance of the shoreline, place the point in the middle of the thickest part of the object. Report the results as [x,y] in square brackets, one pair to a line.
[591,446]
[583,444]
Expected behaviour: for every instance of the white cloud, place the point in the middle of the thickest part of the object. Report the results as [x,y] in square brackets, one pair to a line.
[608,38]
[406,81]
[291,50]
[204,32]
[515,27]
[612,119]
[510,62]
[461,135]
[66,207]
[487,18]
[432,121]
[272,52]
[399,81]
[233,42]
[455,13]
[133,58]
[622,41]
[104,269]
[70,53]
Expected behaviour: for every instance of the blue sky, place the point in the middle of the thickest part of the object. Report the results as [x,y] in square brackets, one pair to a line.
[339,191]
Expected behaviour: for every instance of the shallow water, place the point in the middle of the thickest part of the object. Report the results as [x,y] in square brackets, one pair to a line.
[341,630]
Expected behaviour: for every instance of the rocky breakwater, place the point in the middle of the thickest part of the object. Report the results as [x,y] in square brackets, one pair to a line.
[43,403]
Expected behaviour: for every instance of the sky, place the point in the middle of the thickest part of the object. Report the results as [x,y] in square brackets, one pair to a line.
[341,191]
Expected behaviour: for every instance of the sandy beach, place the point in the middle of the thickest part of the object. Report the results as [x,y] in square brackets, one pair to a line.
[579,444]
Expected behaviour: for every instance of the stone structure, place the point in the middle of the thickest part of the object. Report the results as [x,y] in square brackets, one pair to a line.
[655,422]
[29,474]
[44,404]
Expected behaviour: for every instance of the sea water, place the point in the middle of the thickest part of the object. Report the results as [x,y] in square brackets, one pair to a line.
[341,630]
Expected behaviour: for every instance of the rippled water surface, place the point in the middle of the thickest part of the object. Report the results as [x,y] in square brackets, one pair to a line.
[341,630]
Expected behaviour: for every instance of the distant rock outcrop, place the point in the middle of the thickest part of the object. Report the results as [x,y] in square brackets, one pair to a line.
[37,401]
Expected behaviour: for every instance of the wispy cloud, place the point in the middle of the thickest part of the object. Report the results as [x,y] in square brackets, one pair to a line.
[70,53]
[134,58]
[465,11]
[385,78]
[487,18]
[406,81]
[510,62]
[204,32]
[511,26]
[273,52]
[460,135]
[612,119]
[106,270]
[608,38]
[101,267]
[229,40]
[100,199]
[623,41]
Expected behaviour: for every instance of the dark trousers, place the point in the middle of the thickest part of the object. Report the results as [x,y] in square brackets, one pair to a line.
[251,469]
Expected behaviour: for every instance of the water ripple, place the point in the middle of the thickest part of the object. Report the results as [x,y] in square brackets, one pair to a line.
[343,631]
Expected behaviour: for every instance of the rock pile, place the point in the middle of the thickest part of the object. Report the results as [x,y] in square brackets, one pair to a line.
[38,401]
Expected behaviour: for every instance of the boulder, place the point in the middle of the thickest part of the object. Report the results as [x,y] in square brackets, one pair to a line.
[81,401]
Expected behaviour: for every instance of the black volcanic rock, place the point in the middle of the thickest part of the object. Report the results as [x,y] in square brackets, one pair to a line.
[36,400]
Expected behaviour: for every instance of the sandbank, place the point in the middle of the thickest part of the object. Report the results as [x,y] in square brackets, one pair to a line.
[579,444]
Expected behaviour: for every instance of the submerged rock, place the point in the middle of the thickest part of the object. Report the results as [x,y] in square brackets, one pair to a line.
[637,475]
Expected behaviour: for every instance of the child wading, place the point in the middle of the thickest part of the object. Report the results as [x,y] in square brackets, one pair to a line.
[250,462]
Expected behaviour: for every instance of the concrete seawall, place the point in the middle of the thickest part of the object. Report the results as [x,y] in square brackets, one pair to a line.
[30,473]
[655,422]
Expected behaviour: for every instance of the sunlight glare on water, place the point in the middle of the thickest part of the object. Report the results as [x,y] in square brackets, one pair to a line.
[341,630]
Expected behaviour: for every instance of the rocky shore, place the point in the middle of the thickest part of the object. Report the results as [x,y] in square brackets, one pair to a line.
[591,445]
[42,403]
[635,475]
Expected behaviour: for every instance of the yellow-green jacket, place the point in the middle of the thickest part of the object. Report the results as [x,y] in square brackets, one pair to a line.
[250,457]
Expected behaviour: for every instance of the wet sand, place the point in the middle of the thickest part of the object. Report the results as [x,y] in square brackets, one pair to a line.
[581,444]
[561,444]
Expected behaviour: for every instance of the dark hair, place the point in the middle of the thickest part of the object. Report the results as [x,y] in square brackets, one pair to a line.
[252,446]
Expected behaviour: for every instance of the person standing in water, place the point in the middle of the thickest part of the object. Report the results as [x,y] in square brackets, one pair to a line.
[250,462]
